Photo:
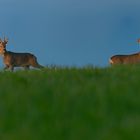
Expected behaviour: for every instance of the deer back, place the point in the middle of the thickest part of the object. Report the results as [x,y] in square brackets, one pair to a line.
[125,59]
[18,59]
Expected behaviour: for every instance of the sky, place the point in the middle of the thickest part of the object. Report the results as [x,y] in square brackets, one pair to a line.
[71,32]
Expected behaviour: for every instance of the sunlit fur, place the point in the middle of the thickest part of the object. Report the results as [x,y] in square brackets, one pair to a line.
[12,59]
[125,59]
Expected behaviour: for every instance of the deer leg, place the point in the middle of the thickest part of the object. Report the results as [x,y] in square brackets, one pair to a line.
[11,68]
[26,67]
[6,67]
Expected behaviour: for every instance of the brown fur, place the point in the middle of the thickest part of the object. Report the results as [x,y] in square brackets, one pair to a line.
[125,59]
[12,59]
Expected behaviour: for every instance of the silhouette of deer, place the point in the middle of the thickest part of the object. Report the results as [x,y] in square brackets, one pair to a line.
[12,59]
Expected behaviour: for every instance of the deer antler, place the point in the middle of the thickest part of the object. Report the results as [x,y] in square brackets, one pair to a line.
[5,40]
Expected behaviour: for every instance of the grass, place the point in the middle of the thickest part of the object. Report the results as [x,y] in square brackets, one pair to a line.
[70,104]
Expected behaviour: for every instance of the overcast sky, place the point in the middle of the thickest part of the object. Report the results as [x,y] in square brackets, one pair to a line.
[71,32]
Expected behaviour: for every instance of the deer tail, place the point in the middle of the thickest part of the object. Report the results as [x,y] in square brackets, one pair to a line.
[36,64]
[110,61]
[40,66]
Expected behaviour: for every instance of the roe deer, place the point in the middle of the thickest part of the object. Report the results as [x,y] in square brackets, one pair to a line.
[125,59]
[12,59]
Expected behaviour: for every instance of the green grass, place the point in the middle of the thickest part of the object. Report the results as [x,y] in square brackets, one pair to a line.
[70,104]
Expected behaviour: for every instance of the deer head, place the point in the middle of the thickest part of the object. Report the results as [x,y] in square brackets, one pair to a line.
[3,45]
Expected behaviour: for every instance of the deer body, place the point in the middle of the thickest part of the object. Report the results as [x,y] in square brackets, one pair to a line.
[125,59]
[12,59]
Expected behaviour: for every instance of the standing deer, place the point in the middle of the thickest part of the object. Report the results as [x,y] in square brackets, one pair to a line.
[125,59]
[12,59]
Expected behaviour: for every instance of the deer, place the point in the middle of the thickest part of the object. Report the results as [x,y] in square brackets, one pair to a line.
[13,59]
[125,59]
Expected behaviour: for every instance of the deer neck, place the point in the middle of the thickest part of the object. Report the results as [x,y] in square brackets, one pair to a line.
[5,53]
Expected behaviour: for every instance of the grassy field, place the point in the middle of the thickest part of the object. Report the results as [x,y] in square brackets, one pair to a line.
[70,104]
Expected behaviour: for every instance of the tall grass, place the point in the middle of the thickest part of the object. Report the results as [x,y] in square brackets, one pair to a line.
[70,104]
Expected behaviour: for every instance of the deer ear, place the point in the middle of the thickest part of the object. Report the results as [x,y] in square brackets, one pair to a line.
[0,40]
